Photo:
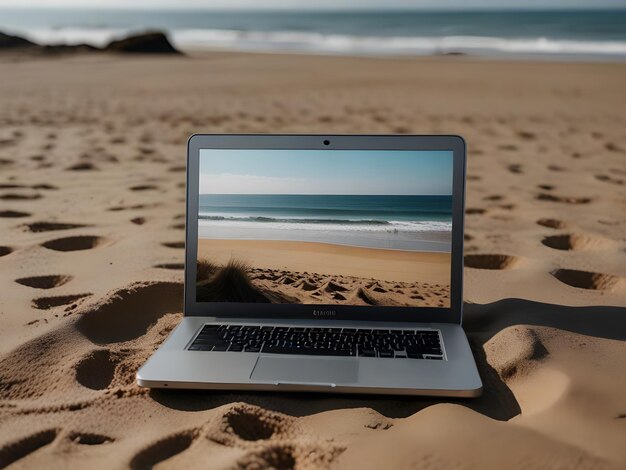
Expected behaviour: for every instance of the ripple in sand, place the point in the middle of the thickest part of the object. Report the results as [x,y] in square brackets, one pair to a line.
[77,243]
[16,450]
[490,261]
[44,282]
[162,450]
[13,214]
[46,303]
[96,369]
[587,279]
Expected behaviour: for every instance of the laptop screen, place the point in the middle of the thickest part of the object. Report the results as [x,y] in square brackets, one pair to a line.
[350,227]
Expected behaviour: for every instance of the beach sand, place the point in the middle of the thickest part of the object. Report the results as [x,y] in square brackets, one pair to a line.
[307,272]
[92,190]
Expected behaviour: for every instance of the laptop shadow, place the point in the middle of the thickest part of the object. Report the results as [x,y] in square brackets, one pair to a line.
[481,322]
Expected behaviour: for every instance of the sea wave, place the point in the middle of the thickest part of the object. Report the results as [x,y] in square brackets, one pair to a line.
[314,42]
[361,225]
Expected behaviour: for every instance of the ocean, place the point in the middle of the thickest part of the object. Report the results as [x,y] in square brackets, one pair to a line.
[585,34]
[418,223]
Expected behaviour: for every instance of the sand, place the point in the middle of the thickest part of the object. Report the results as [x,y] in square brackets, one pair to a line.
[92,157]
[308,272]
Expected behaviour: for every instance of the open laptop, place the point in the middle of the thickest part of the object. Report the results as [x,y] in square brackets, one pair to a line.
[322,263]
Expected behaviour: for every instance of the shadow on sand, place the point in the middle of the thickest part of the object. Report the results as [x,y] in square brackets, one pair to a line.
[481,322]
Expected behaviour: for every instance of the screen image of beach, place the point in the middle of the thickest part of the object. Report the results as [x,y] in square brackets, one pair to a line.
[349,227]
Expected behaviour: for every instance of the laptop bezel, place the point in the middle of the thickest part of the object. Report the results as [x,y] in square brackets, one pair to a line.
[453,143]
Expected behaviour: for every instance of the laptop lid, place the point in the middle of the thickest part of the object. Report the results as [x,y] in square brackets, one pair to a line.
[345,227]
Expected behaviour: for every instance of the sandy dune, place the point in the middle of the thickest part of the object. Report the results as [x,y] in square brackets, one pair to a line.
[91,251]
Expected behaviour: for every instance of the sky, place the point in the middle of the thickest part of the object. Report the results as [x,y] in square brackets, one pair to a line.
[325,172]
[319,4]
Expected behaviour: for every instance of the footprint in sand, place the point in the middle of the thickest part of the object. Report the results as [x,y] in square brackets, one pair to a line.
[611,147]
[305,285]
[89,438]
[96,369]
[515,168]
[138,220]
[251,423]
[178,245]
[84,166]
[170,266]
[331,286]
[20,197]
[588,280]
[144,187]
[564,199]
[526,135]
[490,261]
[45,186]
[13,214]
[609,179]
[17,450]
[571,242]
[162,450]
[475,210]
[135,207]
[36,227]
[77,243]
[127,313]
[45,282]
[46,303]
[556,168]
[552,223]
[264,435]
[5,250]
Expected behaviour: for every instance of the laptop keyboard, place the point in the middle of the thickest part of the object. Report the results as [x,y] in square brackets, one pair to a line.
[414,344]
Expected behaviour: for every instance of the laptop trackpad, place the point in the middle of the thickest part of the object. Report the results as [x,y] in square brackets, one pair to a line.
[303,369]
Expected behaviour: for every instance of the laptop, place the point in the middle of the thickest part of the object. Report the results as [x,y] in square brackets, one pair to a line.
[322,263]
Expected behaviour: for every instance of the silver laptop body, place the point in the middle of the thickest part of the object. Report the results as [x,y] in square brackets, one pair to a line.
[322,263]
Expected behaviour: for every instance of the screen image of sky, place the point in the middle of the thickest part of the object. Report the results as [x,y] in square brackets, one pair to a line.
[358,172]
